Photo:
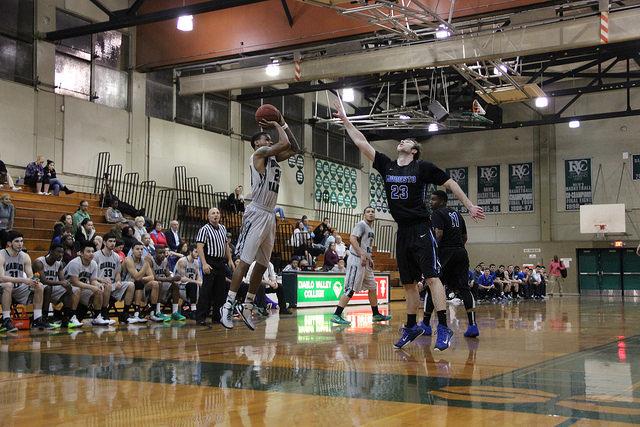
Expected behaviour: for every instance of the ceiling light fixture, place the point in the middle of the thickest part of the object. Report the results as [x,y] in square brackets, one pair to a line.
[499,70]
[433,127]
[573,124]
[273,69]
[185,23]
[404,117]
[442,32]
[348,95]
[542,101]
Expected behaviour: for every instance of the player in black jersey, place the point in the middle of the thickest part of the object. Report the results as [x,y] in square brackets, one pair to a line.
[405,180]
[451,234]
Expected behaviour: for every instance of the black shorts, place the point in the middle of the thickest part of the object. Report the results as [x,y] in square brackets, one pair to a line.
[455,268]
[416,253]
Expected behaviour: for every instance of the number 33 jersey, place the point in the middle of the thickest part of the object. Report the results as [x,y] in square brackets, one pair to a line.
[405,186]
[108,266]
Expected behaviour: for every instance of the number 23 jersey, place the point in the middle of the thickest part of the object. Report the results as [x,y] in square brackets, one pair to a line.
[404,187]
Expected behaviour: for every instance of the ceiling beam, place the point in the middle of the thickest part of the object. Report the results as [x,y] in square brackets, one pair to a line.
[103,8]
[123,21]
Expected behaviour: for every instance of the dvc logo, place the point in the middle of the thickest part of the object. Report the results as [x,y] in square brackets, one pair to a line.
[489,173]
[458,174]
[521,170]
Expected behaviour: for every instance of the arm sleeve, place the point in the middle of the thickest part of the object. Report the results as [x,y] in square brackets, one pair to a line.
[431,174]
[381,162]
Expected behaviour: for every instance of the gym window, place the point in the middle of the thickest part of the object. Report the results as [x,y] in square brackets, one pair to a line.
[331,142]
[16,40]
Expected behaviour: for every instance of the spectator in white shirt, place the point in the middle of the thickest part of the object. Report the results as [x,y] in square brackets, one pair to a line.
[339,267]
[341,248]
[173,237]
[292,266]
[138,229]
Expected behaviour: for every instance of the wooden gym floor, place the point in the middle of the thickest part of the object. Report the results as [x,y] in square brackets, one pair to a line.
[562,362]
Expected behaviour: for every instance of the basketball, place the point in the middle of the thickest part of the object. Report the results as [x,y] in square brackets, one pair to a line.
[267,112]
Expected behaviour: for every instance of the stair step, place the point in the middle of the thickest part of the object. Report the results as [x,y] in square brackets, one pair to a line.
[53,205]
[62,198]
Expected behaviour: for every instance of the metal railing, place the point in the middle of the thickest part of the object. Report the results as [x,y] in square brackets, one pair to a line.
[103,163]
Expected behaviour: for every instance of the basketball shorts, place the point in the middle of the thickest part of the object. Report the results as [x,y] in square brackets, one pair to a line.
[455,268]
[358,278]
[118,294]
[58,293]
[257,236]
[86,297]
[21,293]
[416,253]
[165,292]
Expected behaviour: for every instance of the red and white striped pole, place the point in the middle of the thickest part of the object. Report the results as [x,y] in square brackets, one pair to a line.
[297,67]
[604,21]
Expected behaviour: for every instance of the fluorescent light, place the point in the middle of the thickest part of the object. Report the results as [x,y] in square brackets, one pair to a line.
[433,127]
[273,69]
[185,23]
[404,117]
[499,70]
[442,32]
[574,124]
[542,102]
[348,95]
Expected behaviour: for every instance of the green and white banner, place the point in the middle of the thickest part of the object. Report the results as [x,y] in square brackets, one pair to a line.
[297,162]
[489,188]
[336,184]
[521,187]
[461,176]
[577,183]
[635,168]
[377,196]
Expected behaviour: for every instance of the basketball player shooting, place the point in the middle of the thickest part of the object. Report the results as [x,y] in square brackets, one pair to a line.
[416,247]
[258,232]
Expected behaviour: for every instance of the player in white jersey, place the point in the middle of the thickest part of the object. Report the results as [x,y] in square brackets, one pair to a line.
[109,273]
[258,232]
[359,275]
[17,283]
[136,270]
[169,288]
[188,268]
[82,272]
[50,270]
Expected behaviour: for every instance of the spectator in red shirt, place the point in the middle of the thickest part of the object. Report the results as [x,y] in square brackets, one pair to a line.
[555,275]
[157,235]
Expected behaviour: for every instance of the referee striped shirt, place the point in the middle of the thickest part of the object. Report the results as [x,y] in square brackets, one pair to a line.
[214,239]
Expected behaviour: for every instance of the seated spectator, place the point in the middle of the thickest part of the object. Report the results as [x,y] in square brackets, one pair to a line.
[139,229]
[339,267]
[70,251]
[526,287]
[236,200]
[148,248]
[330,257]
[59,226]
[34,175]
[341,248]
[128,238]
[157,234]
[7,216]
[98,242]
[107,197]
[58,238]
[85,233]
[292,266]
[269,285]
[304,265]
[117,228]
[50,178]
[486,288]
[119,249]
[501,282]
[331,238]
[517,280]
[305,223]
[321,232]
[184,248]
[81,214]
[5,177]
[299,236]
[535,282]
[113,215]
[173,236]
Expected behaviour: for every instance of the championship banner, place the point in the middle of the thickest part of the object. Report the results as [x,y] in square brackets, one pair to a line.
[635,167]
[577,183]
[489,188]
[521,187]
[336,184]
[461,176]
[377,196]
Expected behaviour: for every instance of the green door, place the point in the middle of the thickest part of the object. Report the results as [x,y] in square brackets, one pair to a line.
[588,274]
[610,271]
[631,272]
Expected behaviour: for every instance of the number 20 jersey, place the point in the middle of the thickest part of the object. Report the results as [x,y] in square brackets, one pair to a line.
[404,187]
[265,186]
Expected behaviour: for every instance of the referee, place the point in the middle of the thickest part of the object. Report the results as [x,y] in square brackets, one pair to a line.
[213,251]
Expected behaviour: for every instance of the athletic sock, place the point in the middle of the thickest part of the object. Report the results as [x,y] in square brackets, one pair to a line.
[411,320]
[338,311]
[374,309]
[158,308]
[37,313]
[231,297]
[193,307]
[126,310]
[6,314]
[174,308]
[442,317]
